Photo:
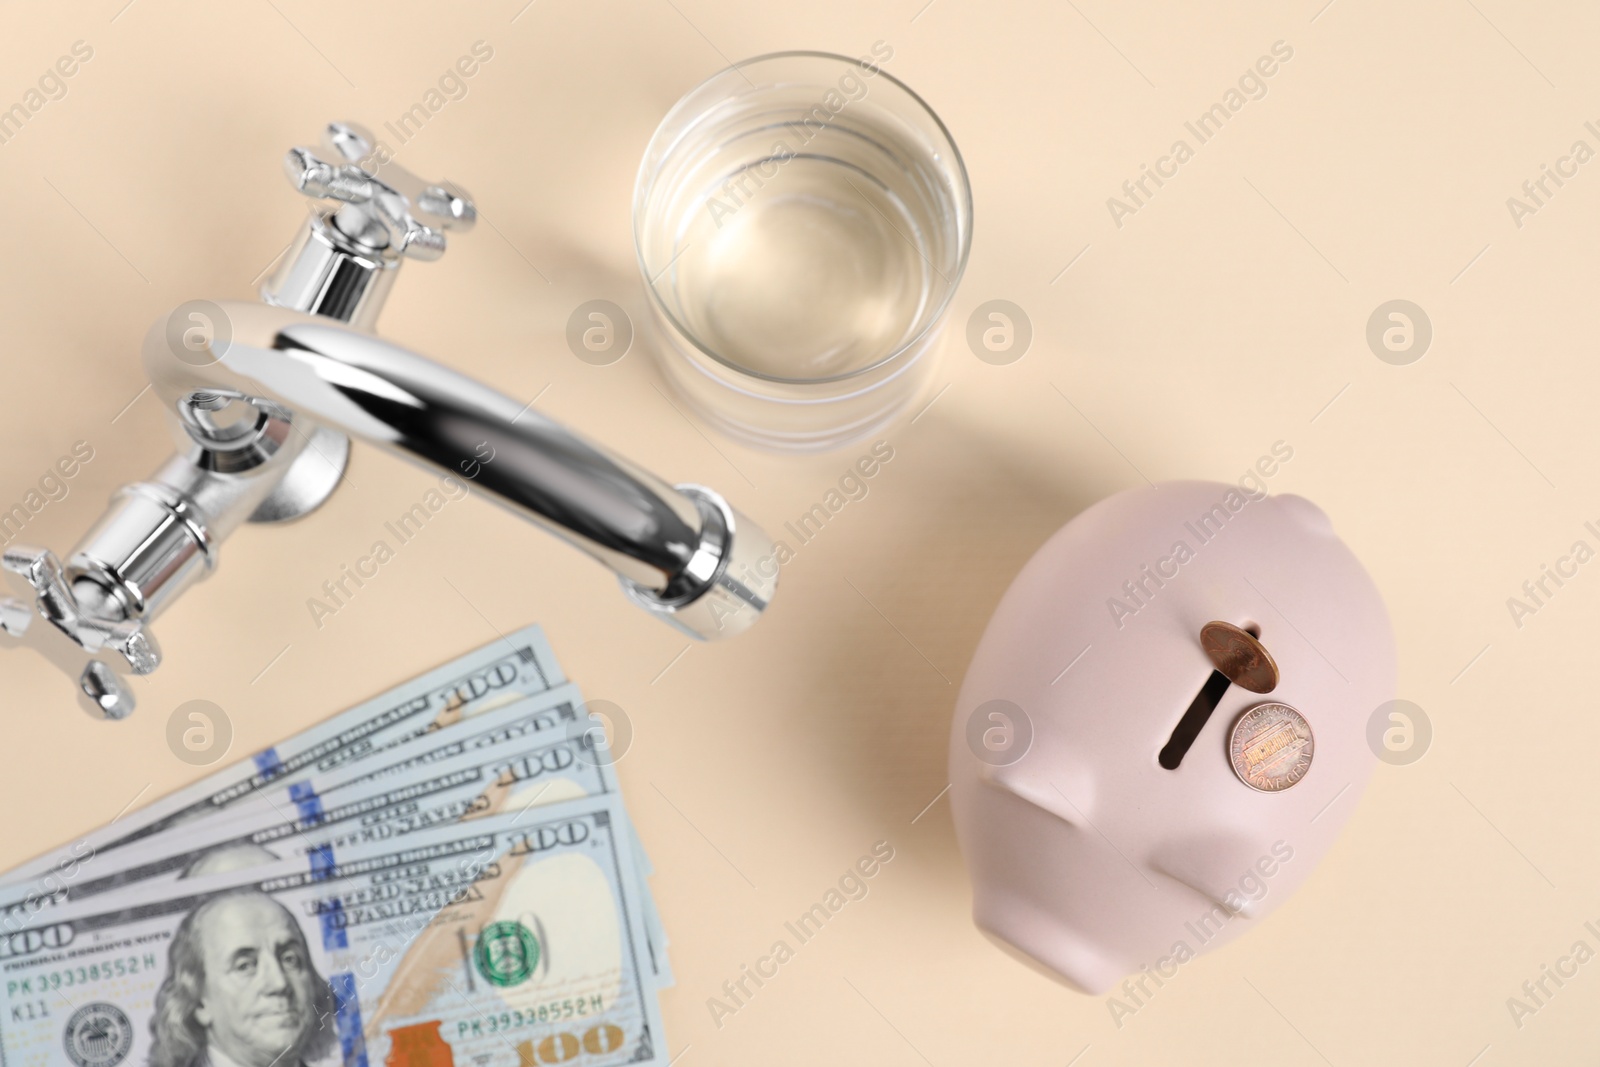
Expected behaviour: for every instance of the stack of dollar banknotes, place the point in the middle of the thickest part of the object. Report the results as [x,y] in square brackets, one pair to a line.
[444,875]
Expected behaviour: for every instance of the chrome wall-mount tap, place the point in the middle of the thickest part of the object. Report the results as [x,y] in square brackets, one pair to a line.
[263,399]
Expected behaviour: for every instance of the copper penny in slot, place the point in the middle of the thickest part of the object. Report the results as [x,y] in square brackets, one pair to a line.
[1239,656]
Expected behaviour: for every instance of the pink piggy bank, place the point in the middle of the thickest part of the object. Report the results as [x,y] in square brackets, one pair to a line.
[1121,802]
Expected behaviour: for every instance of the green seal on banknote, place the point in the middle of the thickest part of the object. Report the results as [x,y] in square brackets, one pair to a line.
[507,953]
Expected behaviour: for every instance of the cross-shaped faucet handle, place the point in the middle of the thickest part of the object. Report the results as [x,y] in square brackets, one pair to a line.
[48,614]
[383,207]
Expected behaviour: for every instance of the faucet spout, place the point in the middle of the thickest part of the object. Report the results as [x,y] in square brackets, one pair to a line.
[681,552]
[263,413]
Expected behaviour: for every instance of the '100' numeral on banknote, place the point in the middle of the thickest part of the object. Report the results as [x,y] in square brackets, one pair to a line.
[510,941]
[519,665]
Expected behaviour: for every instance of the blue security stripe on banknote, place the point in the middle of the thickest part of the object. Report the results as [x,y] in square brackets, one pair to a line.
[478,977]
[521,664]
[532,751]
[491,729]
[356,808]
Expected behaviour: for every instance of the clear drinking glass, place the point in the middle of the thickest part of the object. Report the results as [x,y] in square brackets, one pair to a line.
[802,221]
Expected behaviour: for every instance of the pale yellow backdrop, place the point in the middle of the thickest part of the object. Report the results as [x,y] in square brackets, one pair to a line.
[1227,313]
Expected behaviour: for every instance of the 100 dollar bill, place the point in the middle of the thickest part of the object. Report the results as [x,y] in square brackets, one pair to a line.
[509,941]
[520,665]
[352,807]
[534,751]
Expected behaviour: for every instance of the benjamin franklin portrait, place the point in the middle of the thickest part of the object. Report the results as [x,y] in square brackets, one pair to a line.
[241,990]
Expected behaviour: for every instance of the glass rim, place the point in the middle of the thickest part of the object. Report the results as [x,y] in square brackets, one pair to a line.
[644,183]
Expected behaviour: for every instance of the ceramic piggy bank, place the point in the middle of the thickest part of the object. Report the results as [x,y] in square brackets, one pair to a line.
[1164,728]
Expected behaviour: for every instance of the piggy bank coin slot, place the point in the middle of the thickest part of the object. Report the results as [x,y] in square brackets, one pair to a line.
[1240,659]
[1194,720]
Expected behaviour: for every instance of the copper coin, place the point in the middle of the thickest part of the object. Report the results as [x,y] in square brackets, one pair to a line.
[1237,654]
[1271,747]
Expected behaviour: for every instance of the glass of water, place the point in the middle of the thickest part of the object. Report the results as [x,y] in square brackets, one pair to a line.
[802,221]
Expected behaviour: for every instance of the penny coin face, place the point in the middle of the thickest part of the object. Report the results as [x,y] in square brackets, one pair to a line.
[1239,656]
[1271,747]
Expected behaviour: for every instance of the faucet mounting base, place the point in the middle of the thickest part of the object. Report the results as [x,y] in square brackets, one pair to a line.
[310,479]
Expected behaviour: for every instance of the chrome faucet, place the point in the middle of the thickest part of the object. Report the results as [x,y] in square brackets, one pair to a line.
[263,400]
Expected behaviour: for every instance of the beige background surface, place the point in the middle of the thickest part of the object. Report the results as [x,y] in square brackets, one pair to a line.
[1225,315]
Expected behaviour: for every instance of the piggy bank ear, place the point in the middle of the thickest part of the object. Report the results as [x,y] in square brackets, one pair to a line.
[1060,783]
[1067,796]
[1219,866]
[1305,513]
[996,744]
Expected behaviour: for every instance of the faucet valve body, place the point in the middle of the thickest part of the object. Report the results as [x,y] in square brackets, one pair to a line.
[263,401]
